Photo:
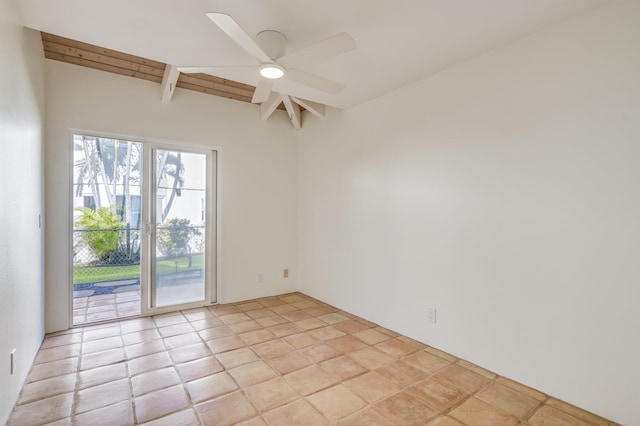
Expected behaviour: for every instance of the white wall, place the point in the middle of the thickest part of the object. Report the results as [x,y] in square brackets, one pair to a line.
[259,189]
[21,201]
[505,192]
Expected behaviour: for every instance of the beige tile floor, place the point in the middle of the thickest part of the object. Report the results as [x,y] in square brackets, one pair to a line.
[287,360]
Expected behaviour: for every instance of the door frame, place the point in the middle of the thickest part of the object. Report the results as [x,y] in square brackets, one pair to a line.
[149,227]
[214,259]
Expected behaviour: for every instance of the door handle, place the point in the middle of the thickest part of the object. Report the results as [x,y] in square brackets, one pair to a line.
[147,229]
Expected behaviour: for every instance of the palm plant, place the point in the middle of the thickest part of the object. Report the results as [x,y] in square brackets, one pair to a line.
[170,167]
[101,230]
[104,165]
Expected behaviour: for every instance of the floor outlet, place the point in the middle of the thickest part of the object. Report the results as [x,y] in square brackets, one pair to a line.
[286,273]
[431,315]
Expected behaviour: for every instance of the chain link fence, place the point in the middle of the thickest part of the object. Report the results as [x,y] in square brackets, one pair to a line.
[101,255]
[105,254]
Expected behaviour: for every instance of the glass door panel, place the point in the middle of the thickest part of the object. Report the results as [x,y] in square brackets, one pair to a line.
[107,189]
[179,267]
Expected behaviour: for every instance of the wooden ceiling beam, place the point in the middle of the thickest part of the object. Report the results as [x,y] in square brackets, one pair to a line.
[50,47]
[101,66]
[46,37]
[192,79]
[210,91]
[96,57]
[220,80]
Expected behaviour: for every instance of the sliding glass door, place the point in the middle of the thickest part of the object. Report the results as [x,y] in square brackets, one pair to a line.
[180,219]
[144,228]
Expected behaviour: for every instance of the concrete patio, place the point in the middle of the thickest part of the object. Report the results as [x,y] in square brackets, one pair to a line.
[110,300]
[105,301]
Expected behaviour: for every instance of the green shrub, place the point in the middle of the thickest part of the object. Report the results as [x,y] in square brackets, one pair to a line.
[101,228]
[173,238]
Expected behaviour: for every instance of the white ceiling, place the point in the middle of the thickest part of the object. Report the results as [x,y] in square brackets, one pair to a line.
[398,41]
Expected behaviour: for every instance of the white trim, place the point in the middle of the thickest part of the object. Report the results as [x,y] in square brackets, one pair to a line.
[145,272]
[145,139]
[69,233]
[218,236]
[149,148]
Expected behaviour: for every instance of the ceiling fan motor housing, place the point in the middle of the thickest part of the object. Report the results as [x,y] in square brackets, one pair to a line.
[273,43]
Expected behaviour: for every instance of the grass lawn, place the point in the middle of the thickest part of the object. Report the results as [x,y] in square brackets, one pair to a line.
[90,274]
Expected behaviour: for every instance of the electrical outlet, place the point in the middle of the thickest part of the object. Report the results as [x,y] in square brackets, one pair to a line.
[13,361]
[260,277]
[286,273]
[431,315]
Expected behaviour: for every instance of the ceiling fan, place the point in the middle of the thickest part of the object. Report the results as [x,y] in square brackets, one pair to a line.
[269,50]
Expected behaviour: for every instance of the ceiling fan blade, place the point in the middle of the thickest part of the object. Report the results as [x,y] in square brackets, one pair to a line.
[263,90]
[323,49]
[315,81]
[237,34]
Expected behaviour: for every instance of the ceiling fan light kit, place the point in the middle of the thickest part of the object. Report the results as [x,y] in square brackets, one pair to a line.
[272,71]
[269,49]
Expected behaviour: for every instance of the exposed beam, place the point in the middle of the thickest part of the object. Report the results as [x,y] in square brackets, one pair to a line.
[168,85]
[223,86]
[91,56]
[293,110]
[87,55]
[270,105]
[101,66]
[100,51]
[207,90]
[313,107]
